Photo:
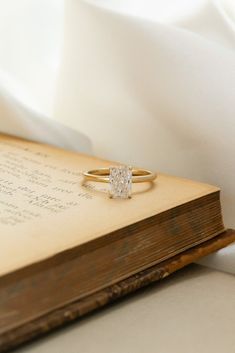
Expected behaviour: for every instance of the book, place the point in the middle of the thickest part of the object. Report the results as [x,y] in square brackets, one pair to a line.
[65,244]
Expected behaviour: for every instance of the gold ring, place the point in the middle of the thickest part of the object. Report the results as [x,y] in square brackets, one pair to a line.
[120,178]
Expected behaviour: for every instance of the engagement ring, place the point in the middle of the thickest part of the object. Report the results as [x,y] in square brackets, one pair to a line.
[120,179]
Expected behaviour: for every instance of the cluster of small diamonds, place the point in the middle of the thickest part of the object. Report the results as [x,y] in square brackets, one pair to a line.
[120,181]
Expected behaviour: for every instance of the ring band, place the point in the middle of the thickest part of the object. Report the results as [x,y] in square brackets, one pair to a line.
[120,178]
[102,175]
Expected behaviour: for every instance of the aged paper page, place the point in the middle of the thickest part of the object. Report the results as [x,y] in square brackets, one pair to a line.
[45,208]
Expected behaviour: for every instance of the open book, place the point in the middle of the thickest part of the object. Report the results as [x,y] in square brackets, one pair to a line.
[64,241]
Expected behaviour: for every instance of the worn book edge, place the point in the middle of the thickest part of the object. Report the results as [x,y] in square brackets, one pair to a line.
[70,312]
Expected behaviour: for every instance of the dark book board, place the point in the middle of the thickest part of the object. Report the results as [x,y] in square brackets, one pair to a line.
[17,333]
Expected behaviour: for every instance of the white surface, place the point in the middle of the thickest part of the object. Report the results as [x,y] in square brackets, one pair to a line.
[223,260]
[150,83]
[190,312]
[19,120]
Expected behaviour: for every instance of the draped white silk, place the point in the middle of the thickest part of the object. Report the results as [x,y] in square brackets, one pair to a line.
[151,83]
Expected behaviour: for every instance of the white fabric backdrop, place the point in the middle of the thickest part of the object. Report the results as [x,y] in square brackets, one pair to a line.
[122,72]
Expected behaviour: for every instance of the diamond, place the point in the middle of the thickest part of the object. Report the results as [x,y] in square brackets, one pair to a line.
[120,181]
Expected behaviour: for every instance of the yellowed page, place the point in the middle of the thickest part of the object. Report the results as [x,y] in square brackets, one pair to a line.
[45,208]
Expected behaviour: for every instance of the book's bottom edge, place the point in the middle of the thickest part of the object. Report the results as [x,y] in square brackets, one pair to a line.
[70,312]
